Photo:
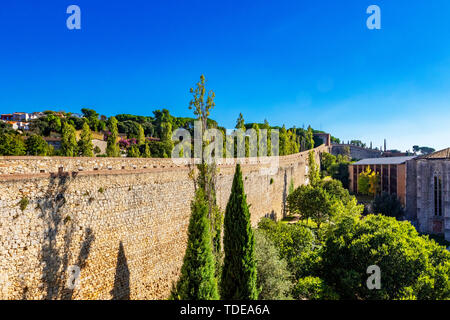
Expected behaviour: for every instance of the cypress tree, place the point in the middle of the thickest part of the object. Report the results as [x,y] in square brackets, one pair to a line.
[239,268]
[112,148]
[197,280]
[68,140]
[85,147]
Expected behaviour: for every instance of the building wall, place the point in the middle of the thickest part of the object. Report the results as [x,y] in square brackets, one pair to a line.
[123,222]
[427,220]
[401,183]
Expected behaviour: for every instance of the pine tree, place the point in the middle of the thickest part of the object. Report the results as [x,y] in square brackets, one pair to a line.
[85,146]
[197,280]
[112,148]
[239,269]
[68,140]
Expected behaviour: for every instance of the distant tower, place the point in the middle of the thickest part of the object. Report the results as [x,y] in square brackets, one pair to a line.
[384,145]
[370,144]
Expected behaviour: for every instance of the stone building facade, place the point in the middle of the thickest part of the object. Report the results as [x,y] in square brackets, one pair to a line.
[113,228]
[428,192]
[421,183]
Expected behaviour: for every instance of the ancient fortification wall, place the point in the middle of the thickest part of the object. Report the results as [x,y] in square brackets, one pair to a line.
[355,151]
[122,222]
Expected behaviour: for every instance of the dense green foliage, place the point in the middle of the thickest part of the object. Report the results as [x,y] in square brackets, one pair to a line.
[335,167]
[296,244]
[313,288]
[387,204]
[112,148]
[273,278]
[68,141]
[411,266]
[239,267]
[37,146]
[197,280]
[85,147]
[12,145]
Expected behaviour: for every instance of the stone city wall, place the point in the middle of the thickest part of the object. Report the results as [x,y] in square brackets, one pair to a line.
[122,222]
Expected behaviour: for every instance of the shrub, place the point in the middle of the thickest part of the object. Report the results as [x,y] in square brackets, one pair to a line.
[273,278]
[36,146]
[411,265]
[296,244]
[313,288]
[388,204]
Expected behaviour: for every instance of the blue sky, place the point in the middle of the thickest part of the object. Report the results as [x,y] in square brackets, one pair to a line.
[292,62]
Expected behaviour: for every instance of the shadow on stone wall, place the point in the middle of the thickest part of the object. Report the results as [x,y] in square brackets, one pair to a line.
[121,289]
[54,258]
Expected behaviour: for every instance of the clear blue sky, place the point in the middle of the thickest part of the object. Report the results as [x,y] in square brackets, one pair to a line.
[292,62]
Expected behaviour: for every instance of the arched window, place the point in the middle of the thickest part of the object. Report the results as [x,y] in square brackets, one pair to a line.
[438,195]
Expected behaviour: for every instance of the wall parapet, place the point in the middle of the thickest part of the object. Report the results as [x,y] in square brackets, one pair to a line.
[18,165]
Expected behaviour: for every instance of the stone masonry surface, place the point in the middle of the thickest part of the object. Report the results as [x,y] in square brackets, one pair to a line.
[121,221]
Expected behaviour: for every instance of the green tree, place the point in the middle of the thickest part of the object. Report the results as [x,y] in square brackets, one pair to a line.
[85,146]
[112,148]
[388,204]
[268,145]
[239,268]
[309,138]
[313,169]
[133,152]
[146,153]
[12,145]
[284,141]
[36,146]
[240,122]
[141,135]
[313,288]
[412,266]
[327,160]
[202,103]
[68,141]
[368,182]
[197,280]
[297,245]
[273,277]
[311,202]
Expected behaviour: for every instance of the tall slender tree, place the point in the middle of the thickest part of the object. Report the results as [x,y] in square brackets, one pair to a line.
[68,140]
[85,146]
[313,169]
[239,268]
[197,280]
[202,103]
[141,135]
[112,148]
